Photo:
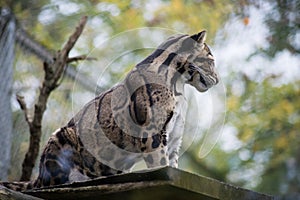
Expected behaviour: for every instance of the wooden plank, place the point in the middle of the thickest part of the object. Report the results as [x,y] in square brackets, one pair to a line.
[163,183]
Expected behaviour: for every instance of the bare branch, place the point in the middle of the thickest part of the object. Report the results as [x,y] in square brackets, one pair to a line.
[79,58]
[28,44]
[62,56]
[23,106]
[53,73]
[73,38]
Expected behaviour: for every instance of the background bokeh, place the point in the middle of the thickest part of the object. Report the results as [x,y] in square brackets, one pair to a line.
[256,44]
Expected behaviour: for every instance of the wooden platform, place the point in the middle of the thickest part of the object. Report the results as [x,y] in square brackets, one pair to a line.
[163,183]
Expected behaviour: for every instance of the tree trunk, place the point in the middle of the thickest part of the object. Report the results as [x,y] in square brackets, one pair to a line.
[7,41]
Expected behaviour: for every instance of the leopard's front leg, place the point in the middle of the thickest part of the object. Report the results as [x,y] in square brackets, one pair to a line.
[155,151]
[174,142]
[175,131]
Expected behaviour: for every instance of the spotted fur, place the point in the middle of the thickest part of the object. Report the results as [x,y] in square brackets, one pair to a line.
[140,118]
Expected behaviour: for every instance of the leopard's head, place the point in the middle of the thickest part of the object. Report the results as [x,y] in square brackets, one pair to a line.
[192,59]
[187,57]
[201,64]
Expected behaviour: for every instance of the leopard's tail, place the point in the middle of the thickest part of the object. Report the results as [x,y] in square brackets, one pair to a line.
[18,186]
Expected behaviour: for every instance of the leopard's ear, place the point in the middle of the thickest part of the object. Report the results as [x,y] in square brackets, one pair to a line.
[199,37]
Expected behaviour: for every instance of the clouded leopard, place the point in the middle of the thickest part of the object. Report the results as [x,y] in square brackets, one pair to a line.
[140,118]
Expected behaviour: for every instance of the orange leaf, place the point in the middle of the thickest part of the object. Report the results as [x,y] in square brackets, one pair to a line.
[246,20]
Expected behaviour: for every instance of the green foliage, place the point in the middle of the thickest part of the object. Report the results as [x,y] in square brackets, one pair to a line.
[268,119]
[282,21]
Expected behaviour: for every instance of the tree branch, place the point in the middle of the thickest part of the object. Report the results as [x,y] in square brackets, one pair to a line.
[53,73]
[27,43]
[23,106]
[73,38]
[79,58]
